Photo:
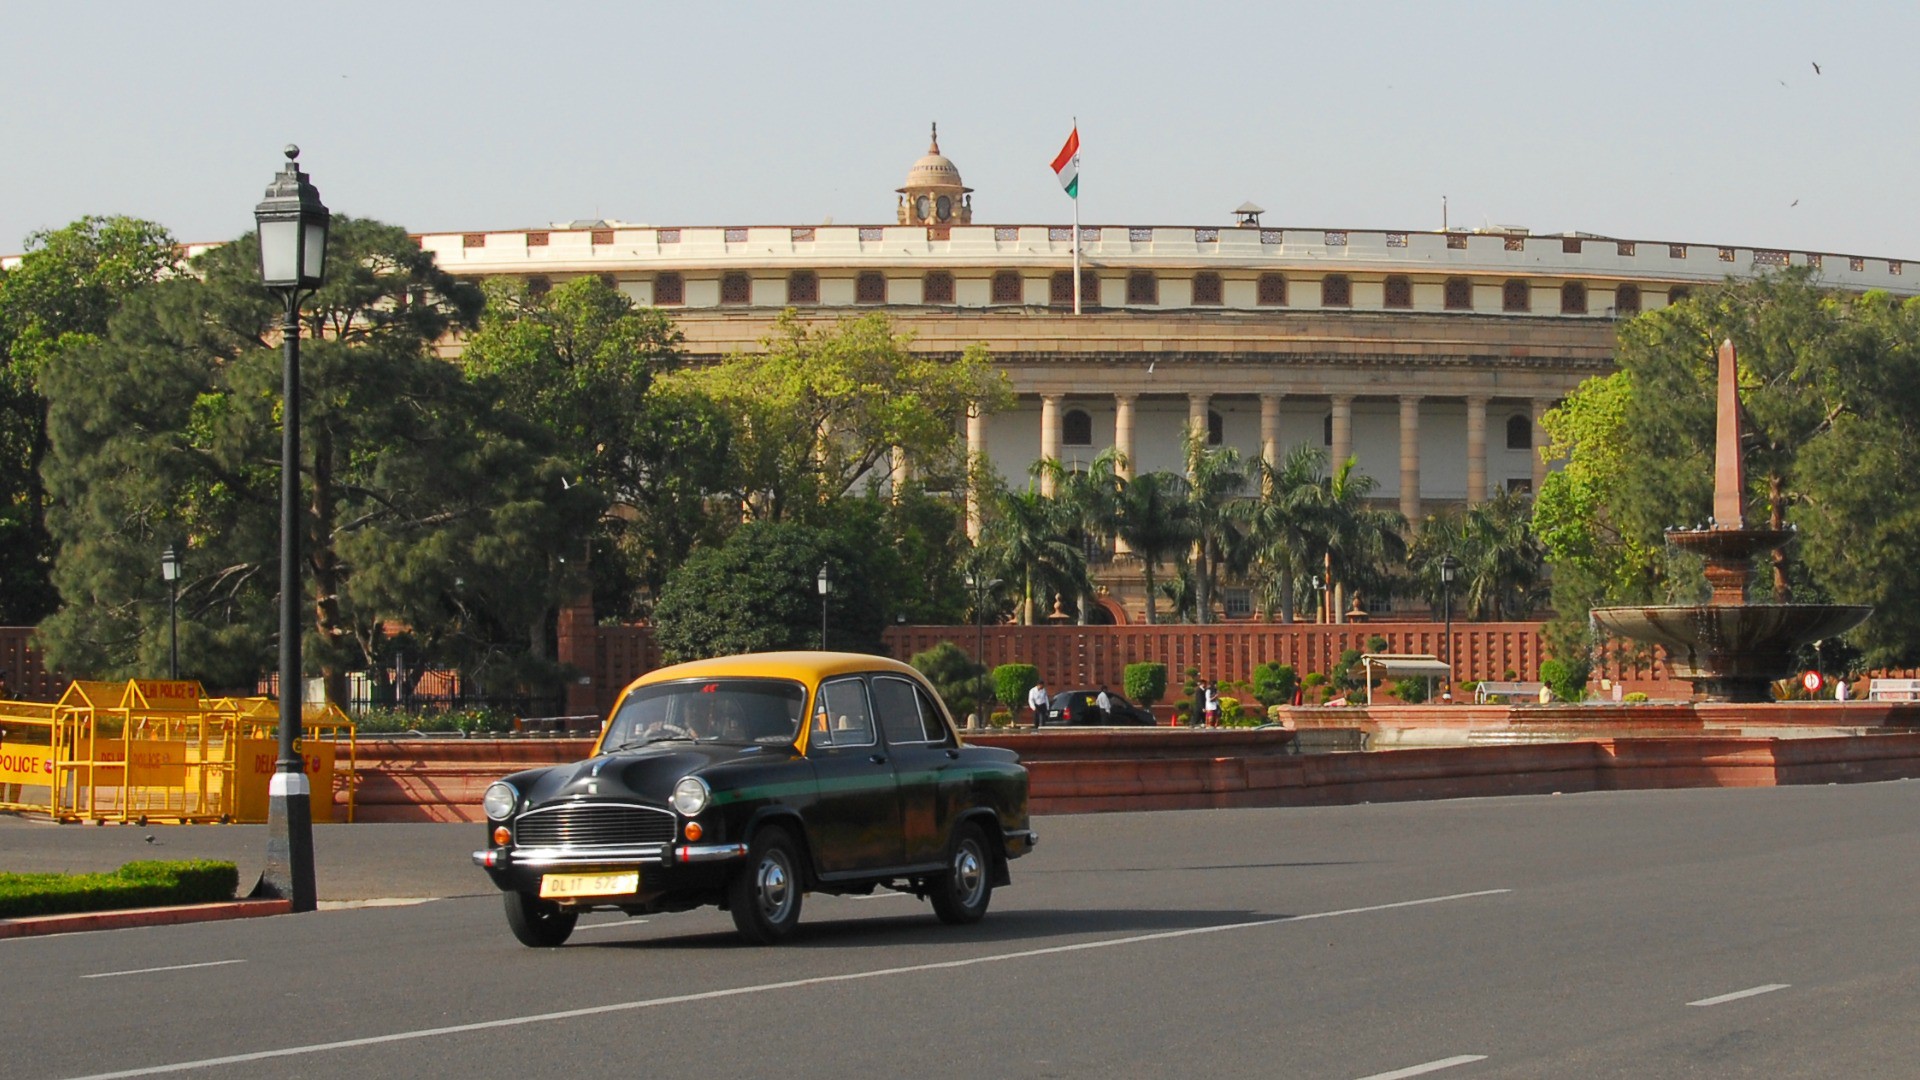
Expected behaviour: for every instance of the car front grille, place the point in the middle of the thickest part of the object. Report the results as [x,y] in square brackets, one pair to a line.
[592,825]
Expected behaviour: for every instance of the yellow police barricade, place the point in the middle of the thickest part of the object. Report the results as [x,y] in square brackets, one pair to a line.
[323,726]
[27,753]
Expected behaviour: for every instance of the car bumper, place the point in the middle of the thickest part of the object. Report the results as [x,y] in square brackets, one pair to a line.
[664,869]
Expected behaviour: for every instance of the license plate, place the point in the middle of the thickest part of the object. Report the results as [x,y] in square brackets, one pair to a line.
[567,885]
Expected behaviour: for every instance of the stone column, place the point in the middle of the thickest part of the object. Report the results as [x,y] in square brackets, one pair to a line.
[1197,414]
[1410,458]
[1342,432]
[901,471]
[1123,431]
[1123,442]
[976,449]
[1270,428]
[1049,438]
[1540,407]
[1476,450]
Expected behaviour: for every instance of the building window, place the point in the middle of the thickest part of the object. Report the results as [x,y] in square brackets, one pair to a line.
[1570,245]
[1676,251]
[1626,300]
[1456,241]
[1272,290]
[870,287]
[1459,294]
[1238,602]
[1515,295]
[1006,287]
[1216,429]
[1326,430]
[1062,291]
[1336,291]
[601,236]
[1623,247]
[473,240]
[1679,294]
[1520,485]
[937,288]
[669,289]
[539,285]
[1076,428]
[1143,287]
[1206,288]
[1519,433]
[736,288]
[1573,298]
[1399,292]
[803,287]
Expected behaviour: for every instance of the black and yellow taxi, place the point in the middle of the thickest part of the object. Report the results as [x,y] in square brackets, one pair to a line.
[748,782]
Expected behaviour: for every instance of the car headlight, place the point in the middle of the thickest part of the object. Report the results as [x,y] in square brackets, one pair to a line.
[691,795]
[499,800]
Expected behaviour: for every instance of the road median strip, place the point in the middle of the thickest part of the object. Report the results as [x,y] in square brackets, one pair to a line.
[172,915]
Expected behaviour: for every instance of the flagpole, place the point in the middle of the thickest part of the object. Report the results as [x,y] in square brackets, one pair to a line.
[1076,230]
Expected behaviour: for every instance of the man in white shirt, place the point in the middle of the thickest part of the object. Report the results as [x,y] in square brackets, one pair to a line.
[1105,705]
[1037,701]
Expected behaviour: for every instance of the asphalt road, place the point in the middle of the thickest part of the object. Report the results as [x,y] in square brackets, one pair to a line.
[1765,932]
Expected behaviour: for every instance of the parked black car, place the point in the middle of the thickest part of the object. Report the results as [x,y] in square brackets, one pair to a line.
[749,781]
[1082,707]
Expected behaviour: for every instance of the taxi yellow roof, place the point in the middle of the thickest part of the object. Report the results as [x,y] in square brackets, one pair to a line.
[800,666]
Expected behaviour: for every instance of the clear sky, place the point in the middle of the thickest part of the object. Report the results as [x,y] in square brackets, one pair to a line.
[1701,122]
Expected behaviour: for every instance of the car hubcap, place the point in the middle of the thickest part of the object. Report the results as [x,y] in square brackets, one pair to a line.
[968,873]
[775,886]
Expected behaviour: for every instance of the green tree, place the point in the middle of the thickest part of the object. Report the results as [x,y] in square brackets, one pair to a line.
[756,592]
[59,298]
[1284,525]
[1145,682]
[1216,483]
[1031,538]
[959,679]
[424,506]
[1011,683]
[1828,390]
[1502,566]
[584,363]
[1150,517]
[818,408]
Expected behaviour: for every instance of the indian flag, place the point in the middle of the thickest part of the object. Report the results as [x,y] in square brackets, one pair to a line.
[1066,164]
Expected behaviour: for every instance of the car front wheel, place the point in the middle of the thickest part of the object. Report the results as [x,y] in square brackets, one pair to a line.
[764,895]
[961,895]
[539,924]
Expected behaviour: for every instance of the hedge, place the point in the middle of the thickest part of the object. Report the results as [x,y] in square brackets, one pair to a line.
[137,884]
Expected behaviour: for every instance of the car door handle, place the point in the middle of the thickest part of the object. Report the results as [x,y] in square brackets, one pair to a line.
[953,755]
[878,759]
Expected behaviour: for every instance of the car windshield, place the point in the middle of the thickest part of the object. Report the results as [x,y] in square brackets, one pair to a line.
[761,711]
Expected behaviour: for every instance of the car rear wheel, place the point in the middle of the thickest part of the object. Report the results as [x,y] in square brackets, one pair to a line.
[764,895]
[960,896]
[539,924]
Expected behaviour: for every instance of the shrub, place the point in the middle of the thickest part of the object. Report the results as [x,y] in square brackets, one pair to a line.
[1312,679]
[1635,696]
[1273,713]
[1567,678]
[1376,644]
[386,721]
[1344,677]
[1273,683]
[954,674]
[1145,683]
[137,884]
[1001,718]
[1012,681]
[1410,691]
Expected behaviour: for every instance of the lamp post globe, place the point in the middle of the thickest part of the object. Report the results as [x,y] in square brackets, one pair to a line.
[292,227]
[825,584]
[1449,566]
[170,573]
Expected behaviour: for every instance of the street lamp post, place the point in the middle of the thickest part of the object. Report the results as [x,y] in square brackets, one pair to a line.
[170,572]
[981,587]
[826,586]
[293,262]
[1449,566]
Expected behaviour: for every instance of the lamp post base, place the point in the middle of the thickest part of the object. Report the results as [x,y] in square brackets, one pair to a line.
[288,874]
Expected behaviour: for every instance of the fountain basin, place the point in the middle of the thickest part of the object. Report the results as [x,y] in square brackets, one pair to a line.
[1729,652]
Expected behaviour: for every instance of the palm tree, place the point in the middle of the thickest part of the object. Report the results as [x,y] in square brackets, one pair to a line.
[1283,525]
[1355,542]
[1216,484]
[1150,517]
[1032,539]
[1502,564]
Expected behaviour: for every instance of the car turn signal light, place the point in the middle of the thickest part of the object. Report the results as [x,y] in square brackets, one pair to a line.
[501,836]
[694,831]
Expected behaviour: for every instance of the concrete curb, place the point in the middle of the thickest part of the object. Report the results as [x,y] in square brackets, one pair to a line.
[132,917]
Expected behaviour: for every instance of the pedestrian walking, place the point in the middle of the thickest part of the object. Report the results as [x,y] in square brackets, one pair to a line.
[1037,701]
[1213,705]
[1196,709]
[1105,705]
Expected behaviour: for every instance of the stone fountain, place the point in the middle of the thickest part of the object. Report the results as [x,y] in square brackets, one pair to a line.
[1731,650]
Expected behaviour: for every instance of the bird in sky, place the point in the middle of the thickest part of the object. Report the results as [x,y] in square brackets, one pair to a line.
[1793,204]
[1816,66]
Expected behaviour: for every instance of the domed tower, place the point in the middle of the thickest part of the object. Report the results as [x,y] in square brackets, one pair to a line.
[933,194]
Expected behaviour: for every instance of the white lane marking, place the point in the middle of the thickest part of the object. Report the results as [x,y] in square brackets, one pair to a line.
[607,925]
[1754,991]
[791,984]
[169,967]
[1431,1066]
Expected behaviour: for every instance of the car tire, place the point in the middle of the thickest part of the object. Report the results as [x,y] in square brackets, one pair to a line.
[764,894]
[961,894]
[539,924]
